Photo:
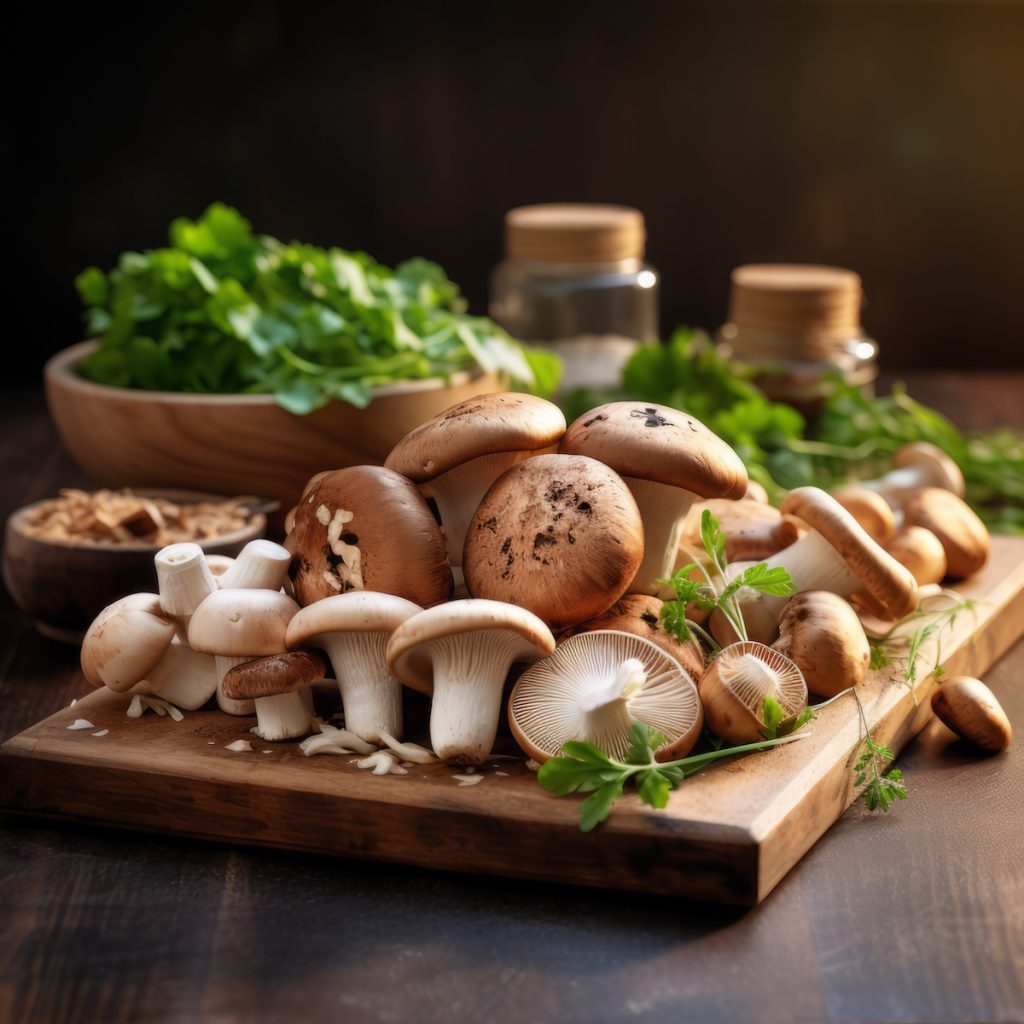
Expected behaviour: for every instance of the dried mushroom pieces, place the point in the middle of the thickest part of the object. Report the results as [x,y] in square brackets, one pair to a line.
[121,517]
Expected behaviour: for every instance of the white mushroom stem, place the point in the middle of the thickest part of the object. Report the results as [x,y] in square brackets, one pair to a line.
[262,565]
[663,510]
[282,716]
[458,492]
[605,711]
[227,704]
[469,677]
[182,676]
[184,580]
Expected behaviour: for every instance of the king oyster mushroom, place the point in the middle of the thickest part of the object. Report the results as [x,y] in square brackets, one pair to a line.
[455,456]
[558,534]
[594,687]
[367,528]
[460,654]
[668,460]
[963,536]
[918,464]
[277,685]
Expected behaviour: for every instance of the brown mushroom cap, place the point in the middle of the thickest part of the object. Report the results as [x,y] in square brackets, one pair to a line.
[560,535]
[386,532]
[870,509]
[821,634]
[485,425]
[278,673]
[961,533]
[640,614]
[942,470]
[921,552]
[968,707]
[887,586]
[125,641]
[241,623]
[753,531]
[652,442]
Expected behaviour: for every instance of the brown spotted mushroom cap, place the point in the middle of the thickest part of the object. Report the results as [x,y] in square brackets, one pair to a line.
[961,533]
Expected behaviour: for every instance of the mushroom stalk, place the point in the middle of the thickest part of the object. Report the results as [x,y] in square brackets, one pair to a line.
[282,716]
[663,510]
[262,565]
[184,580]
[228,704]
[605,711]
[183,677]
[370,695]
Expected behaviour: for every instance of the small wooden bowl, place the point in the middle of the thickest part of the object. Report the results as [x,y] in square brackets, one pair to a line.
[238,444]
[64,585]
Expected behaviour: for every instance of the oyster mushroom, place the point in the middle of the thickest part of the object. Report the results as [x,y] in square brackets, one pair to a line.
[668,460]
[460,653]
[963,536]
[276,684]
[918,464]
[558,534]
[968,707]
[594,687]
[921,552]
[367,528]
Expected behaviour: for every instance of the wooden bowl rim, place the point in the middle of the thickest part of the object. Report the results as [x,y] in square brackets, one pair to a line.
[60,371]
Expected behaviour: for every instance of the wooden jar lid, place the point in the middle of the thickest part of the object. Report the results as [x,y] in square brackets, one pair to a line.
[574,233]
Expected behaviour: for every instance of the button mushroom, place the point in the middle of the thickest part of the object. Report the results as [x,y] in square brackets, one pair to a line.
[594,687]
[237,626]
[276,685]
[968,707]
[668,460]
[961,533]
[735,686]
[353,629]
[870,509]
[558,534]
[918,464]
[753,530]
[456,456]
[262,565]
[921,552]
[821,634]
[367,528]
[461,653]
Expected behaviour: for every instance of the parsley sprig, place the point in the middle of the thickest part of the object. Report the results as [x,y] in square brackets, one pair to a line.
[881,787]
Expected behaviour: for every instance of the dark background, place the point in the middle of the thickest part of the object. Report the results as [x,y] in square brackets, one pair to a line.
[883,136]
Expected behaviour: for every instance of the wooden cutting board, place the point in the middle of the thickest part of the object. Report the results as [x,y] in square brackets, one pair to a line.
[729,834]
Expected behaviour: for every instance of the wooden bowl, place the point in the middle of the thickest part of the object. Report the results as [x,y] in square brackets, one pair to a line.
[64,585]
[232,444]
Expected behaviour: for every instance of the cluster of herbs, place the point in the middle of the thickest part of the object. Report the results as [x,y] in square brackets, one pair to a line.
[853,437]
[223,310]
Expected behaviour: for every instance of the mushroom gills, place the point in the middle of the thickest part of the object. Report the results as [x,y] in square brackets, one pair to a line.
[663,509]
[370,696]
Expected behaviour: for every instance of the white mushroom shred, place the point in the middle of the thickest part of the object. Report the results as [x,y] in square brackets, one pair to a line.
[467,780]
[350,572]
[102,732]
[142,703]
[409,751]
[534,766]
[81,723]
[383,762]
[239,746]
[323,513]
[496,772]
[335,741]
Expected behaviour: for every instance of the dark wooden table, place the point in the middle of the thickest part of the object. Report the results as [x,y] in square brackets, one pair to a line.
[918,916]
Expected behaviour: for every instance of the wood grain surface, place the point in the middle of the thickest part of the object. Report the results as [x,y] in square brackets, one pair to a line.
[918,916]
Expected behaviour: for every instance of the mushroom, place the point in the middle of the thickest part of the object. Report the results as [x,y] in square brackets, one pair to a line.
[353,629]
[184,580]
[918,464]
[753,531]
[968,707]
[870,509]
[756,492]
[835,555]
[262,565]
[275,685]
[821,634]
[640,614]
[921,552]
[668,460]
[461,652]
[735,686]
[237,626]
[218,565]
[367,528]
[594,687]
[456,455]
[558,534]
[961,533]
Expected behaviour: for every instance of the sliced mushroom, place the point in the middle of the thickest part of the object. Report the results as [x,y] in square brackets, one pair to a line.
[461,653]
[668,459]
[558,534]
[921,552]
[918,464]
[963,536]
[594,687]
[870,509]
[276,685]
[968,707]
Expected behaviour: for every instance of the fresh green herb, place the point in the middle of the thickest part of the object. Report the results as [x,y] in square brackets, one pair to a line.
[775,722]
[585,768]
[223,310]
[881,787]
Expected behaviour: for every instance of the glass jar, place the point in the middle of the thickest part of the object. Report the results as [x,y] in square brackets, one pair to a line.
[574,281]
[796,325]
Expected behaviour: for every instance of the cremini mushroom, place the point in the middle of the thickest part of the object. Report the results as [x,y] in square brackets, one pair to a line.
[261,565]
[835,555]
[921,552]
[918,464]
[237,626]
[353,629]
[640,614]
[276,685]
[968,707]
[821,634]
[668,459]
[460,653]
[367,528]
[735,686]
[455,456]
[870,509]
[185,581]
[558,534]
[961,533]
[594,687]
[753,530]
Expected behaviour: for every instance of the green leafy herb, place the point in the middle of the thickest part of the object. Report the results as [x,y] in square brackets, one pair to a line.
[585,768]
[775,724]
[881,787]
[223,310]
